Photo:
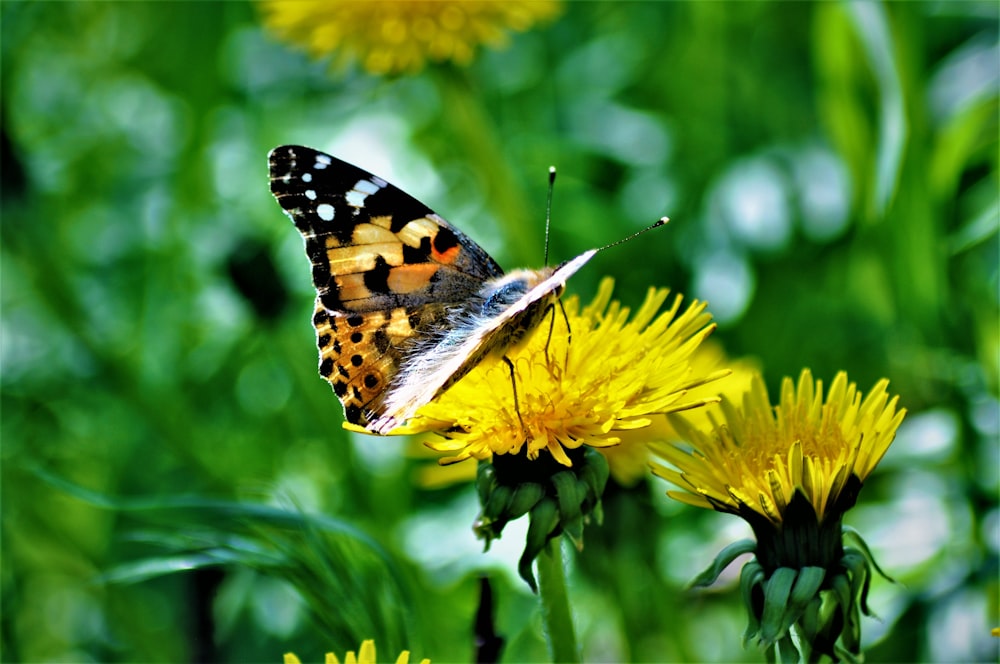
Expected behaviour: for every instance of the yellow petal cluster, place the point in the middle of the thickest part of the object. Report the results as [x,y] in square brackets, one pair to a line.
[365,655]
[629,461]
[401,36]
[607,375]
[758,456]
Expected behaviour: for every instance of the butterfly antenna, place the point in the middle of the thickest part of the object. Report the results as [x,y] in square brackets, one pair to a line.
[548,211]
[660,222]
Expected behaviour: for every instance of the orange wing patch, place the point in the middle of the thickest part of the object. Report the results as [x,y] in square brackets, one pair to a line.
[359,353]
[411,278]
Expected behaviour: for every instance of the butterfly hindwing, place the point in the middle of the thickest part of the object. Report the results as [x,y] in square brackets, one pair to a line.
[360,353]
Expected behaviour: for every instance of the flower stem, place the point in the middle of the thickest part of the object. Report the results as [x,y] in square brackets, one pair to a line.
[556,613]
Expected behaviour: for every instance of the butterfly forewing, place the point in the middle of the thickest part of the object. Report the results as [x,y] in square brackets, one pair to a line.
[372,246]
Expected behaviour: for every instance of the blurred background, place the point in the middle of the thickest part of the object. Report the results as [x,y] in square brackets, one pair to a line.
[830,170]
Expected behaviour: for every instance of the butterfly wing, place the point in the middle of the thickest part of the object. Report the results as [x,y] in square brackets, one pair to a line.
[430,369]
[360,354]
[372,246]
[385,267]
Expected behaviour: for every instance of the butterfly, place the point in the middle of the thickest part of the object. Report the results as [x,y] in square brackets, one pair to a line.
[406,304]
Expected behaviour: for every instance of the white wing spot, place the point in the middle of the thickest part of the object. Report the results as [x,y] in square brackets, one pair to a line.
[325,211]
[322,161]
[368,187]
[307,177]
[310,194]
[362,190]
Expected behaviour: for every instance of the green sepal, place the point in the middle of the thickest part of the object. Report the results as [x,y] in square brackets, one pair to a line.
[804,590]
[486,480]
[591,474]
[487,531]
[597,513]
[587,500]
[807,584]
[597,463]
[787,652]
[776,592]
[751,577]
[809,626]
[542,520]
[848,657]
[856,537]
[496,505]
[809,620]
[571,516]
[526,496]
[851,637]
[859,571]
[850,630]
[723,560]
[859,593]
[831,626]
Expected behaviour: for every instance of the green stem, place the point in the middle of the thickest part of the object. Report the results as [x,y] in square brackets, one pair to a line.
[556,613]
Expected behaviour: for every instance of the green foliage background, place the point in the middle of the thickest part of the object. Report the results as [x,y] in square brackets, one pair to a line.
[831,173]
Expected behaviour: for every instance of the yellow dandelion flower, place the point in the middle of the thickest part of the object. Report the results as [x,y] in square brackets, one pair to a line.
[606,376]
[791,471]
[760,457]
[365,655]
[581,383]
[396,36]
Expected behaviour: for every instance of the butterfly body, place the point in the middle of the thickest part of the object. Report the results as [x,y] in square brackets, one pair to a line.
[406,303]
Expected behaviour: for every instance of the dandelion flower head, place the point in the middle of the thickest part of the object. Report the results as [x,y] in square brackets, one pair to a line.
[760,456]
[608,374]
[401,36]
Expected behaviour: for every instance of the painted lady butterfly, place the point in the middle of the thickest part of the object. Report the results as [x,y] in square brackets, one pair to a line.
[406,303]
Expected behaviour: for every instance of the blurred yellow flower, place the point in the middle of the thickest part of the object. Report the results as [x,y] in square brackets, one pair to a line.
[401,36]
[760,456]
[613,376]
[365,655]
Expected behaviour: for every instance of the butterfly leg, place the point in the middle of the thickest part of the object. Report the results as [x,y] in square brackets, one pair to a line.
[552,323]
[569,330]
[549,309]
[513,385]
